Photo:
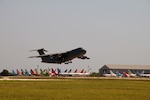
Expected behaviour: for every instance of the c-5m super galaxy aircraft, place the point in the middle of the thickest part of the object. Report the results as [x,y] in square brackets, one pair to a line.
[59,58]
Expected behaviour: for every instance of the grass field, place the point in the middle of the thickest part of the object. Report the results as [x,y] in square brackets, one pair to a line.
[75,89]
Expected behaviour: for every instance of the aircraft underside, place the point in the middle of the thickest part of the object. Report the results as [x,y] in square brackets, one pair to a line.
[59,58]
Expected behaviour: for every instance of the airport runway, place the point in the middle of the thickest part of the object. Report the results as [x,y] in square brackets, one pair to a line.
[39,78]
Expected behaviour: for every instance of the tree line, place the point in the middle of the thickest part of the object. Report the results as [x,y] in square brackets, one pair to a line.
[5,73]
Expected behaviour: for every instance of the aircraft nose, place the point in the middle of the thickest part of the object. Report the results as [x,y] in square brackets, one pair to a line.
[84,51]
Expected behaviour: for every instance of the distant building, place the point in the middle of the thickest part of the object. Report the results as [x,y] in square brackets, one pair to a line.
[120,68]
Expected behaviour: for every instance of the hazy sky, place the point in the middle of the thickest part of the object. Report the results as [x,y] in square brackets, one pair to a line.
[112,32]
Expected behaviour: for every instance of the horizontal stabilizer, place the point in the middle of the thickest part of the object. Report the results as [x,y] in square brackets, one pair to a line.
[39,50]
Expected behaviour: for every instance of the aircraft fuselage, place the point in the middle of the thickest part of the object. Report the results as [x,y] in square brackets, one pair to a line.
[59,58]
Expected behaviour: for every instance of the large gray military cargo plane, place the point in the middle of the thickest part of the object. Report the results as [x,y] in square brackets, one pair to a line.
[59,58]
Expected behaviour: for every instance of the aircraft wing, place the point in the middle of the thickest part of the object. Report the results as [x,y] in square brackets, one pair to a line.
[47,55]
[84,57]
[35,56]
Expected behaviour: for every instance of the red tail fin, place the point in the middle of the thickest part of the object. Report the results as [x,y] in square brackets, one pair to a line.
[54,72]
[82,71]
[32,72]
[75,70]
[125,74]
[18,72]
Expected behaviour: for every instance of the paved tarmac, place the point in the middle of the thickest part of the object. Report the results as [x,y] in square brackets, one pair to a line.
[46,78]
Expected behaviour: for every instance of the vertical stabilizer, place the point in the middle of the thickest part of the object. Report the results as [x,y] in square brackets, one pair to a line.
[69,71]
[41,52]
[82,71]
[76,71]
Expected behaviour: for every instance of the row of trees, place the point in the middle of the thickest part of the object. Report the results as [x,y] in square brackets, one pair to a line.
[5,73]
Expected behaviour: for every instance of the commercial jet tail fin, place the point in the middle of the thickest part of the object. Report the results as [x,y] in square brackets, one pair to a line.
[76,71]
[33,72]
[125,74]
[59,71]
[54,72]
[18,72]
[82,71]
[111,72]
[65,71]
[129,72]
[27,72]
[14,73]
[70,71]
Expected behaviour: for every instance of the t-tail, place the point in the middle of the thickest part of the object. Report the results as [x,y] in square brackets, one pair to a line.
[41,52]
